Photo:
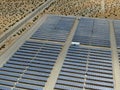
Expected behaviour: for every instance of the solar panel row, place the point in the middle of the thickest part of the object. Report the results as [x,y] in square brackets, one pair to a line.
[86,68]
[30,66]
[93,32]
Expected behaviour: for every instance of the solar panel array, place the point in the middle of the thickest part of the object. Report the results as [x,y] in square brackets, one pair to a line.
[55,28]
[30,66]
[93,32]
[86,68]
[116,24]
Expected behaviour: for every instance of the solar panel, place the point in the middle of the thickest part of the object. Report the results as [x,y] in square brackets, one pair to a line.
[93,32]
[5,88]
[116,24]
[56,29]
[30,66]
[86,68]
